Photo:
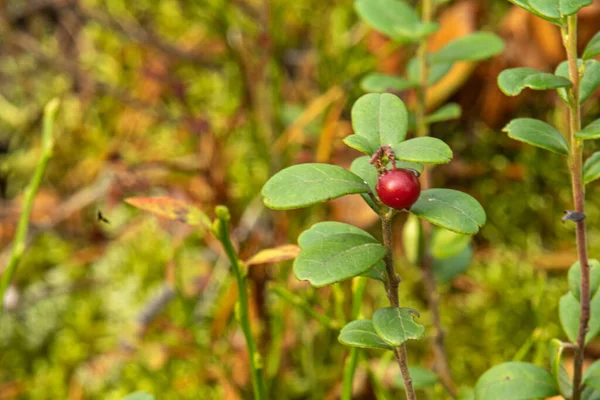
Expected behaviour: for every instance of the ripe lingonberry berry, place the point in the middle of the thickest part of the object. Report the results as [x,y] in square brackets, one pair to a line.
[399,188]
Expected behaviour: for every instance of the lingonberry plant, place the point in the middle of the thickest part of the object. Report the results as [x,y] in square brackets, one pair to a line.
[437,259]
[332,252]
[579,310]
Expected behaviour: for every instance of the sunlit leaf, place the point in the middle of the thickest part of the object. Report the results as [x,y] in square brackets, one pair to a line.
[450,209]
[322,230]
[360,143]
[569,311]
[445,243]
[446,269]
[558,8]
[396,325]
[380,118]
[515,381]
[593,47]
[537,133]
[394,18]
[513,81]
[524,4]
[426,150]
[306,184]
[274,255]
[360,333]
[474,47]
[446,112]
[169,208]
[559,372]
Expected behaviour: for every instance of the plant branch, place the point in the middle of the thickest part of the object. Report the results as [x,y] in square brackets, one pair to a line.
[391,288]
[221,231]
[433,299]
[575,167]
[19,242]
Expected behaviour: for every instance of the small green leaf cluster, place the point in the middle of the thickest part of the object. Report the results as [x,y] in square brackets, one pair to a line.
[333,251]
[539,133]
[474,47]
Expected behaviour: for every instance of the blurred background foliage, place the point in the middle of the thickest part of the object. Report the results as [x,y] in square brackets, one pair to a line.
[203,101]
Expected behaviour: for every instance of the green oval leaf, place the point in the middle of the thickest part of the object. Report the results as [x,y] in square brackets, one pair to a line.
[376,272]
[305,184]
[591,168]
[381,119]
[524,4]
[322,230]
[589,393]
[444,113]
[575,278]
[436,71]
[591,377]
[450,209]
[569,309]
[380,83]
[515,381]
[593,47]
[359,143]
[336,258]
[591,131]
[446,269]
[537,133]
[394,18]
[589,82]
[557,9]
[396,325]
[426,150]
[559,372]
[360,333]
[474,47]
[412,238]
[512,81]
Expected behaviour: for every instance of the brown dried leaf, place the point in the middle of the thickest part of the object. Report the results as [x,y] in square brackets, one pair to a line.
[276,254]
[171,209]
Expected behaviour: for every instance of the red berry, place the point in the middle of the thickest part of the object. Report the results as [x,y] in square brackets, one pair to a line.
[399,188]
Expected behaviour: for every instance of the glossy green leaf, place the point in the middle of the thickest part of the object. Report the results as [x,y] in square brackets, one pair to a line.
[336,258]
[515,381]
[397,325]
[593,47]
[445,243]
[446,269]
[426,150]
[380,83]
[591,376]
[537,133]
[422,378]
[589,82]
[558,8]
[474,47]
[563,381]
[524,4]
[591,131]
[568,310]
[575,278]
[305,184]
[450,209]
[591,168]
[360,333]
[512,81]
[394,18]
[380,118]
[139,396]
[376,272]
[323,230]
[436,71]
[360,143]
[444,113]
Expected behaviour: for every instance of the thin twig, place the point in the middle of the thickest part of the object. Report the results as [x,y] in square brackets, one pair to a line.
[30,192]
[575,167]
